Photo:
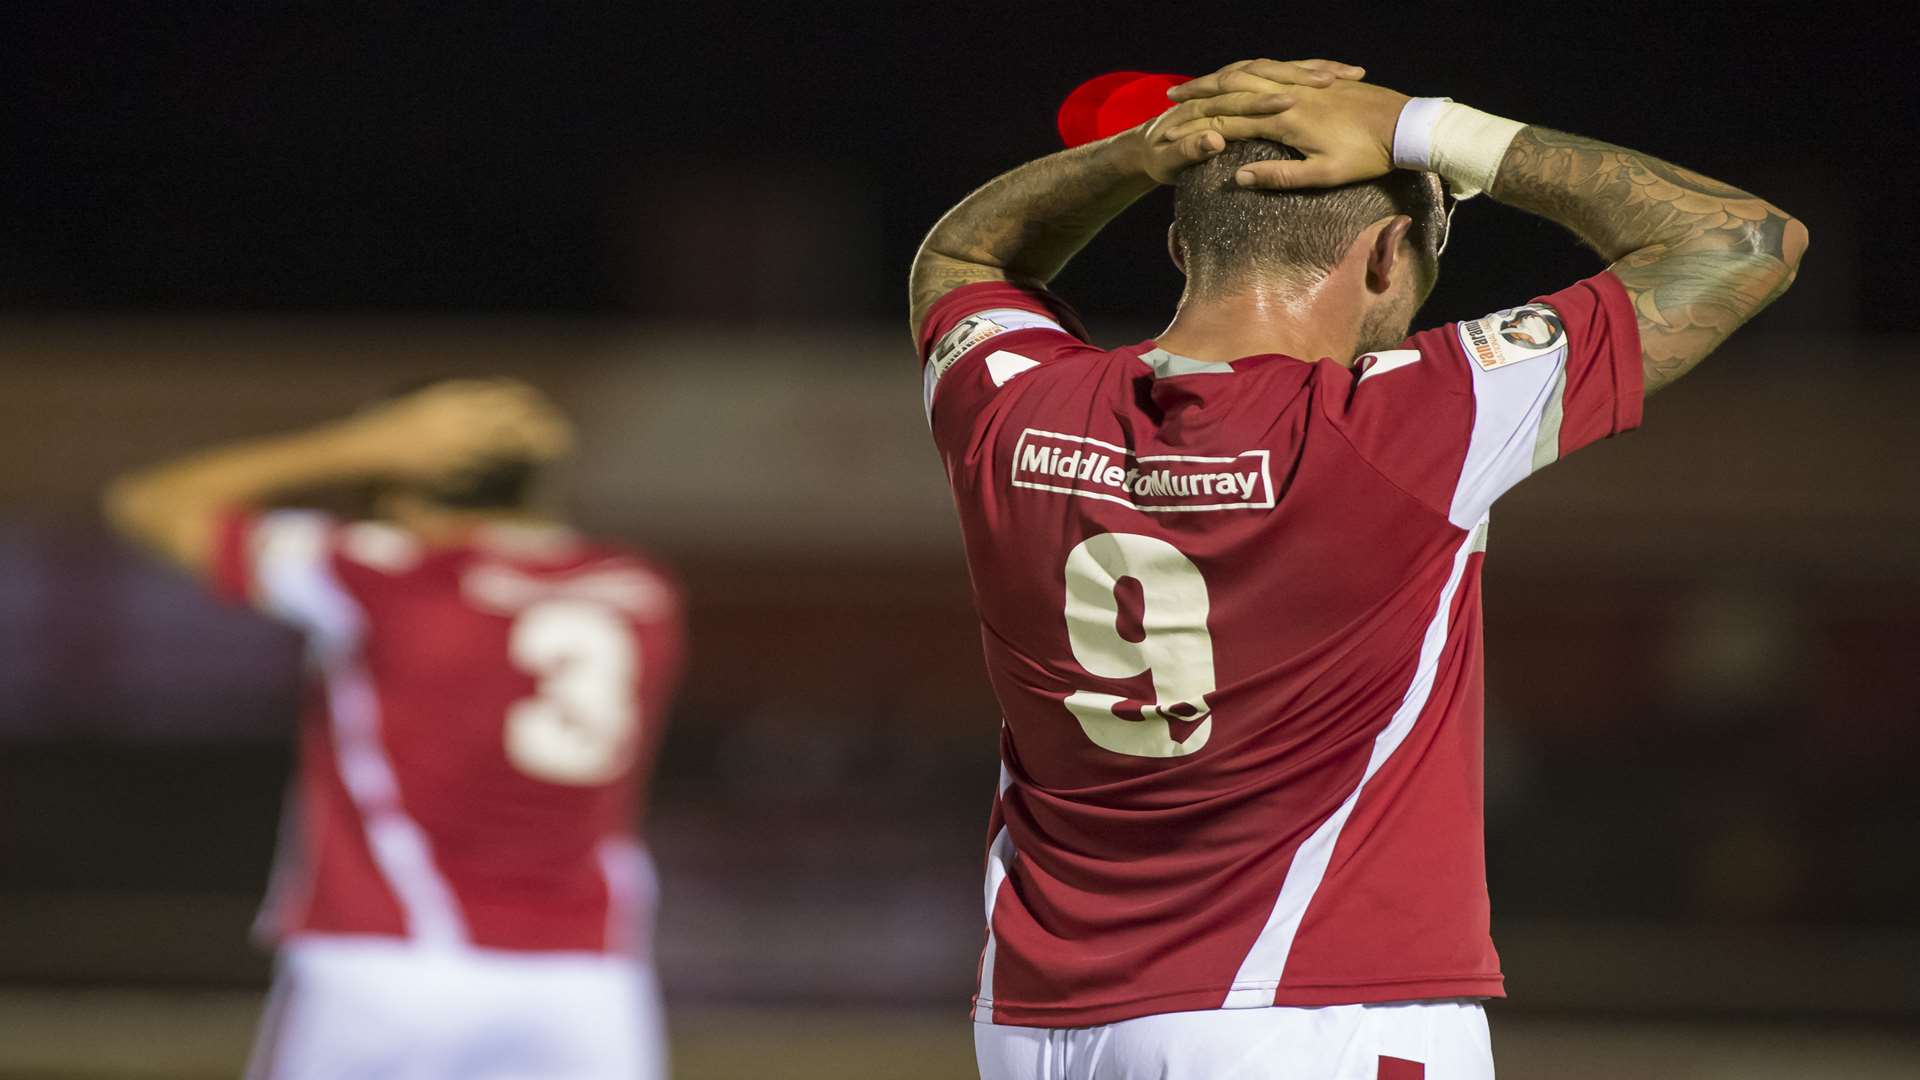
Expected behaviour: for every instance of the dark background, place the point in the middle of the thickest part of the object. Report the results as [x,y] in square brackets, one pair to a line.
[620,160]
[693,226]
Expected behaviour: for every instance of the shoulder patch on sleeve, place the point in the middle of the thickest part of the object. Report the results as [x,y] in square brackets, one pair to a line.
[1513,335]
[972,331]
[954,344]
[978,327]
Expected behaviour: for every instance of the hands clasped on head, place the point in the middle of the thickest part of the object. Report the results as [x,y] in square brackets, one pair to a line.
[1343,126]
[458,425]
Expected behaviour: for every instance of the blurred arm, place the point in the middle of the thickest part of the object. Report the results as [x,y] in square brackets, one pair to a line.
[437,432]
[1698,257]
[173,508]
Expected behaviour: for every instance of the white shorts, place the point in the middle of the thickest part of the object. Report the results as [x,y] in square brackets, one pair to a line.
[376,1007]
[1418,1040]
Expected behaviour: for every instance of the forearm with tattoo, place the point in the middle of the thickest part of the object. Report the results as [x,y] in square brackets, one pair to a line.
[1698,257]
[1026,224]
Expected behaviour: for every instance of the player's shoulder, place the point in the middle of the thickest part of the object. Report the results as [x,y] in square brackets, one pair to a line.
[999,301]
[1426,362]
[976,327]
[626,576]
[510,569]
[283,526]
[300,540]
[981,338]
[1545,327]
[963,320]
[1013,329]
[615,557]
[377,547]
[559,549]
[1407,411]
[1450,353]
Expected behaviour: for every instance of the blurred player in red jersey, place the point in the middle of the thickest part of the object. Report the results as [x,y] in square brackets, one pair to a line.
[459,890]
[1229,579]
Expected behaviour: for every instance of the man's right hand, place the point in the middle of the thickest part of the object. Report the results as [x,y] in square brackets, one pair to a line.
[1196,127]
[455,426]
[1345,128]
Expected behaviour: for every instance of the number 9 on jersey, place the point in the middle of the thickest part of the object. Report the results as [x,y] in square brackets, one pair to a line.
[1174,643]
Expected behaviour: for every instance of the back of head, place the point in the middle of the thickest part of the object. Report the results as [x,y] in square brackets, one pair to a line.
[507,483]
[1233,237]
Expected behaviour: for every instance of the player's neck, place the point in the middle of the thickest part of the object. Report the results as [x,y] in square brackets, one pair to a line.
[1307,323]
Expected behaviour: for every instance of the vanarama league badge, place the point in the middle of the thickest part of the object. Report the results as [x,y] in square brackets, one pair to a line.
[1511,336]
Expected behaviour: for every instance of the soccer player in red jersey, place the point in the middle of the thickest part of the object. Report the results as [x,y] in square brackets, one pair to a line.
[1229,579]
[460,890]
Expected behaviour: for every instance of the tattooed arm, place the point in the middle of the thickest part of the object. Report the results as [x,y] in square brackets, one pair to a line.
[1025,225]
[1698,257]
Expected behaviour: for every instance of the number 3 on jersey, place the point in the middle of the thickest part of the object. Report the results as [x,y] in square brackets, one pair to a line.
[1174,643]
[577,726]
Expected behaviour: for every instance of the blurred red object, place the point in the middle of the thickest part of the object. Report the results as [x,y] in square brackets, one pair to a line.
[1109,104]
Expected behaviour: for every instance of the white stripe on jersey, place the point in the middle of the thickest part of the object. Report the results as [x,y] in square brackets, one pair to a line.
[1000,856]
[1546,441]
[400,847]
[1516,431]
[1266,962]
[293,580]
[293,573]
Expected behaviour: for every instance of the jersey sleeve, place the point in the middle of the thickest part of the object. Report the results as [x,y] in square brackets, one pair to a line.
[1462,413]
[979,337]
[282,563]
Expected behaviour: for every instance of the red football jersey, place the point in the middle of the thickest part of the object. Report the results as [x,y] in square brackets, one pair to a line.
[479,731]
[1231,612]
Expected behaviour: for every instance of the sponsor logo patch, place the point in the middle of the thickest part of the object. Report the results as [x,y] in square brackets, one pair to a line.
[968,334]
[1157,483]
[954,344]
[1513,335]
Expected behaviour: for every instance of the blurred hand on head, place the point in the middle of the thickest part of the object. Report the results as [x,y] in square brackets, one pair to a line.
[1195,129]
[459,425]
[1343,126]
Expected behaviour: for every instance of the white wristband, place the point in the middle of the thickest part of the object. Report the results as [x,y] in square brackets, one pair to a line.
[1461,143]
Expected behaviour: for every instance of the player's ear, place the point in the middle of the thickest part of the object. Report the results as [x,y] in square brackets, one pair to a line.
[1384,254]
[1173,247]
